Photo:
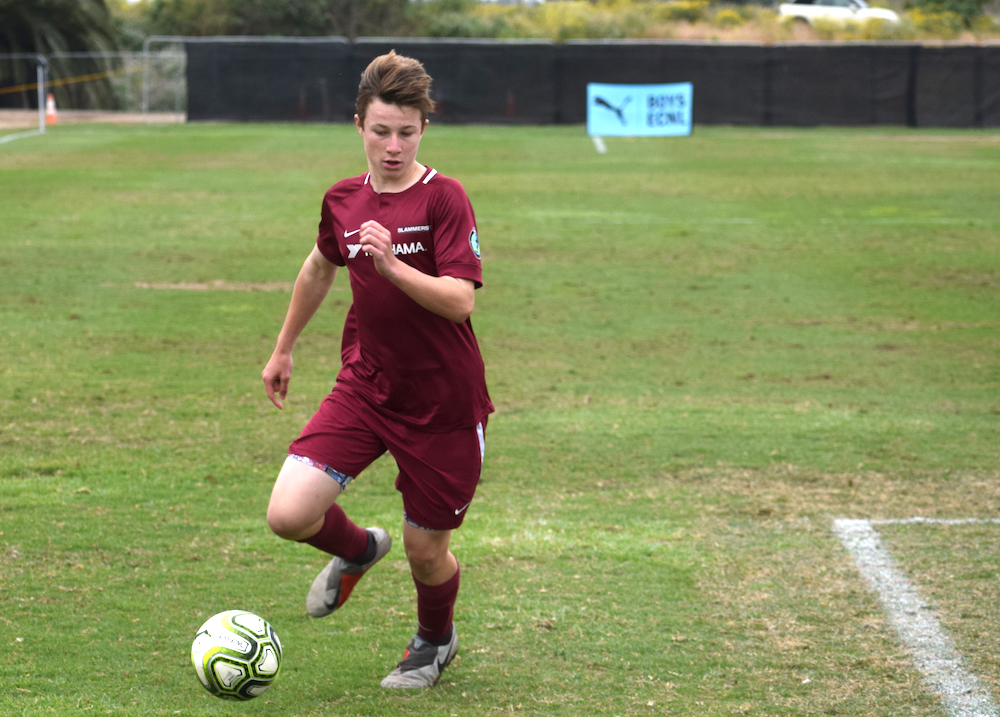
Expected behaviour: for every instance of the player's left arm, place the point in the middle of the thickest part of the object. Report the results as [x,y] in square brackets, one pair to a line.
[447,296]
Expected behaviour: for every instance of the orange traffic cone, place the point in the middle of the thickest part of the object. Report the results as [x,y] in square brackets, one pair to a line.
[51,117]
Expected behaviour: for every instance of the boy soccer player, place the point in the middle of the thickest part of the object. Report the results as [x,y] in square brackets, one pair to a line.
[411,380]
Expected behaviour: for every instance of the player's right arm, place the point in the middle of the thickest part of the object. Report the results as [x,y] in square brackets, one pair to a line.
[311,286]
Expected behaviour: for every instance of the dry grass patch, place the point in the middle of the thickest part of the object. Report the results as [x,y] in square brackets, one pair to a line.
[805,634]
[217,285]
[955,568]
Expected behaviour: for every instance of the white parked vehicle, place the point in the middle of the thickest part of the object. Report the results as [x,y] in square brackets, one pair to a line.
[840,11]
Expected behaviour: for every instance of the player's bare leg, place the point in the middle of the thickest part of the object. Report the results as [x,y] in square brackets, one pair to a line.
[436,575]
[303,508]
[299,500]
[431,562]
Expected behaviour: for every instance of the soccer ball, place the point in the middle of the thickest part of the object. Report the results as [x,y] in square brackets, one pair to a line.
[236,655]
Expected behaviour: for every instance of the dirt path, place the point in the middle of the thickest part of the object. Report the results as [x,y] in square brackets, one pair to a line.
[28,119]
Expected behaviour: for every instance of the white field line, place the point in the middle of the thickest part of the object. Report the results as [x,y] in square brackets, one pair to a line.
[19,135]
[962,694]
[937,521]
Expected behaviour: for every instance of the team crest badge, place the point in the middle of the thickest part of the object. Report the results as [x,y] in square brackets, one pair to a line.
[474,242]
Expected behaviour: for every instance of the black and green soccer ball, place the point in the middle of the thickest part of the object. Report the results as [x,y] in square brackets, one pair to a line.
[236,655]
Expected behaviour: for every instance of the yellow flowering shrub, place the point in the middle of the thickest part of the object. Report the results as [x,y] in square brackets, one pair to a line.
[945,25]
[728,17]
[690,10]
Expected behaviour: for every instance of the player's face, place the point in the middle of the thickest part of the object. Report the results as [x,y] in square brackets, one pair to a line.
[391,137]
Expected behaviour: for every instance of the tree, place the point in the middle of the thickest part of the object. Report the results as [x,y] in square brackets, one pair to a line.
[45,26]
[130,21]
[194,17]
[968,10]
[289,18]
[360,18]
[48,26]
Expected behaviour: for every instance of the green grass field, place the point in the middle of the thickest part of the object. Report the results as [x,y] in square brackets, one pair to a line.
[702,351]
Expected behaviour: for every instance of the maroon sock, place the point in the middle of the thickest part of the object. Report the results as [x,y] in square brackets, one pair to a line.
[339,535]
[435,606]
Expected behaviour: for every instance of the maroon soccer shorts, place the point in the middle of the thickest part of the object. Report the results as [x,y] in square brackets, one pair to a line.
[438,472]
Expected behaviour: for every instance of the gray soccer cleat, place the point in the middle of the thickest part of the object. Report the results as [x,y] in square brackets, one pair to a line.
[422,663]
[334,584]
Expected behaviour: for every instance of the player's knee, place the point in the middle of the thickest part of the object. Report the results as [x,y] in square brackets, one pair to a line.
[425,560]
[284,523]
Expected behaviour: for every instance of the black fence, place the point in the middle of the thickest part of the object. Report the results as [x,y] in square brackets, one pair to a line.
[539,82]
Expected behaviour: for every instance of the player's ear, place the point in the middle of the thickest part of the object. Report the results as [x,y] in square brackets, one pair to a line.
[359,124]
[426,122]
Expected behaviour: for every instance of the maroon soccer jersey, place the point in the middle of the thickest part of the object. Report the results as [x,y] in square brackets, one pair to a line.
[408,363]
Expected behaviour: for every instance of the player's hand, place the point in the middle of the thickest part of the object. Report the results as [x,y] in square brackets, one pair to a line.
[276,375]
[376,241]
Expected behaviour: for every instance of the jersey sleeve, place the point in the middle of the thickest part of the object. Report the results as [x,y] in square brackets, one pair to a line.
[456,239]
[326,241]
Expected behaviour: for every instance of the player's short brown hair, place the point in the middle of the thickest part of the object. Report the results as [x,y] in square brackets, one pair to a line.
[396,80]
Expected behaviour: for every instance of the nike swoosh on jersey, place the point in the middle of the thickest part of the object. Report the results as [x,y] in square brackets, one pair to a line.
[347,234]
[460,510]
